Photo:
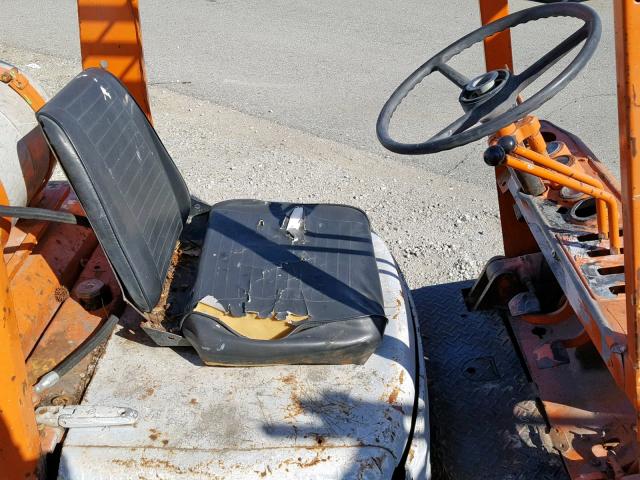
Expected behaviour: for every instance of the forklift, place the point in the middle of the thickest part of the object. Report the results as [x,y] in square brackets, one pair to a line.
[147,334]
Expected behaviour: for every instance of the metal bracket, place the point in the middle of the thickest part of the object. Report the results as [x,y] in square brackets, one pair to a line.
[162,338]
[503,278]
[73,416]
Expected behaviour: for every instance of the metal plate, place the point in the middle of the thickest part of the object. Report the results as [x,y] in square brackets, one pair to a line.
[484,419]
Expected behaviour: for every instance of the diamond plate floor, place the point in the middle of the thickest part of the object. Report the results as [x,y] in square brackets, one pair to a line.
[484,419]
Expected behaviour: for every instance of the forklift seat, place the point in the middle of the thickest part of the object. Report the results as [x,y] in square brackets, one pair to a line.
[277,283]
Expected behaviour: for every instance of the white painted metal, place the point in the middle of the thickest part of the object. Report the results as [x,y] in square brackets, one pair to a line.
[24,154]
[284,422]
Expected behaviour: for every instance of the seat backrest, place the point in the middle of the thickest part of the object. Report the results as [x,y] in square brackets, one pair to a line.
[133,194]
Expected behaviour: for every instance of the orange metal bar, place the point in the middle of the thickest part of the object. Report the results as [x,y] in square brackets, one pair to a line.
[516,236]
[573,184]
[548,162]
[537,143]
[111,38]
[20,84]
[497,48]
[627,29]
[19,437]
[557,316]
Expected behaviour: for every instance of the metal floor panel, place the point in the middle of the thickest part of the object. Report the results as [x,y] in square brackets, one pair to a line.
[484,419]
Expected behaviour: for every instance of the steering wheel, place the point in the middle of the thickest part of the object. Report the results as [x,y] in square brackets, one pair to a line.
[490,99]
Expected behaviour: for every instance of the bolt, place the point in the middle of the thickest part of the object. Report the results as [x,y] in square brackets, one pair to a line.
[61,400]
[617,348]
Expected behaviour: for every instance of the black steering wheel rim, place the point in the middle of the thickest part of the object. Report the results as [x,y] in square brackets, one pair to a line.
[590,32]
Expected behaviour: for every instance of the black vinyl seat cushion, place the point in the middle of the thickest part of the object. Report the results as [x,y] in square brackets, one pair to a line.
[137,203]
[330,277]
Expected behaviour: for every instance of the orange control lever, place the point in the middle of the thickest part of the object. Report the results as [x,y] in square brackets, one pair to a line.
[550,163]
[497,155]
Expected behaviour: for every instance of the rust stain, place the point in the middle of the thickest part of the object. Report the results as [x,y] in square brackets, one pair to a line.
[304,464]
[398,307]
[295,406]
[193,401]
[159,466]
[162,464]
[393,396]
[147,393]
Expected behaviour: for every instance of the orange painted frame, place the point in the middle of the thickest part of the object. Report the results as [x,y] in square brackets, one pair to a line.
[516,237]
[498,53]
[19,438]
[627,28]
[111,38]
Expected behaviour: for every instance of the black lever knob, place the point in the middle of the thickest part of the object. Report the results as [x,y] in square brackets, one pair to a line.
[495,155]
[508,143]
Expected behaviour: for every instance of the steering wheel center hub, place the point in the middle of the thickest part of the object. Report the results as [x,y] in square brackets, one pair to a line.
[482,87]
[482,83]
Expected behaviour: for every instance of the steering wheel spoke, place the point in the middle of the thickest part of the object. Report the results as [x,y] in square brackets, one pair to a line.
[452,74]
[537,69]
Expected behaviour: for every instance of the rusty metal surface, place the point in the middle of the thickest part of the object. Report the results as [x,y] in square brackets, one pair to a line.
[44,280]
[580,362]
[589,415]
[25,234]
[72,325]
[44,262]
[587,273]
[316,421]
[627,31]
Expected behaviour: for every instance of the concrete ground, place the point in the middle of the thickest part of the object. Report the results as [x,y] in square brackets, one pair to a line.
[278,100]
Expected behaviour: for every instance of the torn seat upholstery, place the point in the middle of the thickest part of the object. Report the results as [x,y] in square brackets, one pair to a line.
[277,283]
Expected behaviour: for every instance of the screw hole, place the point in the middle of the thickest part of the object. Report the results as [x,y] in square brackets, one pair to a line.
[539,332]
